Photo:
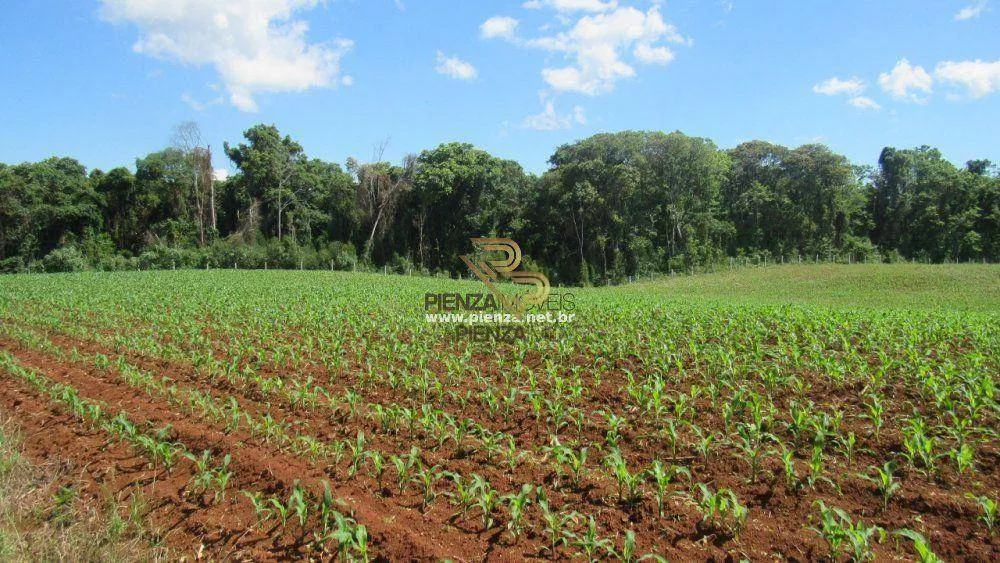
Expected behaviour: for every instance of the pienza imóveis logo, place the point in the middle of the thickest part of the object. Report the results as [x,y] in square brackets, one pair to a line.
[497,314]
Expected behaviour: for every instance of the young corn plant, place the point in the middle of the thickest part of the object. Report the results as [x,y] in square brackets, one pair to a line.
[512,455]
[427,477]
[357,452]
[377,465]
[885,482]
[703,442]
[629,491]
[487,499]
[919,447]
[351,539]
[875,412]
[662,476]
[517,505]
[567,461]
[557,523]
[989,509]
[920,545]
[815,474]
[464,496]
[964,458]
[839,531]
[721,511]
[589,542]
[627,553]
[751,443]
[404,468]
[615,425]
[298,504]
[261,507]
[792,481]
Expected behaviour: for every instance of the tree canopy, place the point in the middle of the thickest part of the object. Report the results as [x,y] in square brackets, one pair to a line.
[610,206]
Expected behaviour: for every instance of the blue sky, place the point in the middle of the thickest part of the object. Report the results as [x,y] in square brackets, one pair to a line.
[105,81]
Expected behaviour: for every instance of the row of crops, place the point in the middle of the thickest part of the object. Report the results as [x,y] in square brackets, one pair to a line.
[649,427]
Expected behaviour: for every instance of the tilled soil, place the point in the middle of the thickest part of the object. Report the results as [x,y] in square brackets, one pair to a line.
[400,529]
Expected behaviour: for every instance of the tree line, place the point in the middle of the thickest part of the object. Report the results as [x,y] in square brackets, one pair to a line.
[609,207]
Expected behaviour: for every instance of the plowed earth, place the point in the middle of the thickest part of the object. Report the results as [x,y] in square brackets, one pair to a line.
[399,526]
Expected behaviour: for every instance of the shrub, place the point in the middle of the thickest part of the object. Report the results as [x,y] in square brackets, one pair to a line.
[67,259]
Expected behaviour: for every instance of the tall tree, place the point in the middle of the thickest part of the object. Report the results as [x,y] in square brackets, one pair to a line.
[380,187]
[460,191]
[271,167]
[198,159]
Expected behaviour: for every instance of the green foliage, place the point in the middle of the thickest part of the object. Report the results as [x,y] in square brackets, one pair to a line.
[67,259]
[611,207]
[920,545]
[839,531]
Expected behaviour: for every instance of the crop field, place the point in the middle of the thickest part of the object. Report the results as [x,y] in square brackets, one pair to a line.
[781,413]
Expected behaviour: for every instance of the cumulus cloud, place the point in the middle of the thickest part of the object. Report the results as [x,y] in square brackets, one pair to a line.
[572,5]
[597,44]
[979,78]
[255,45]
[904,79]
[852,88]
[550,120]
[864,102]
[834,86]
[455,67]
[973,10]
[648,54]
[498,27]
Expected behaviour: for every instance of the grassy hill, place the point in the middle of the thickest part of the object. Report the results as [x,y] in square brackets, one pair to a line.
[959,287]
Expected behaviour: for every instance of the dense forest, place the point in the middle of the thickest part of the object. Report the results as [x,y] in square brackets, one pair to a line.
[609,207]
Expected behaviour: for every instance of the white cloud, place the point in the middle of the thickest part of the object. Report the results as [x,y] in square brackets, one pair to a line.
[220,174]
[978,77]
[455,67]
[498,26]
[597,44]
[852,88]
[572,5]
[864,102]
[347,80]
[648,54]
[550,120]
[903,78]
[834,86]
[191,102]
[255,45]
[973,10]
[197,105]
